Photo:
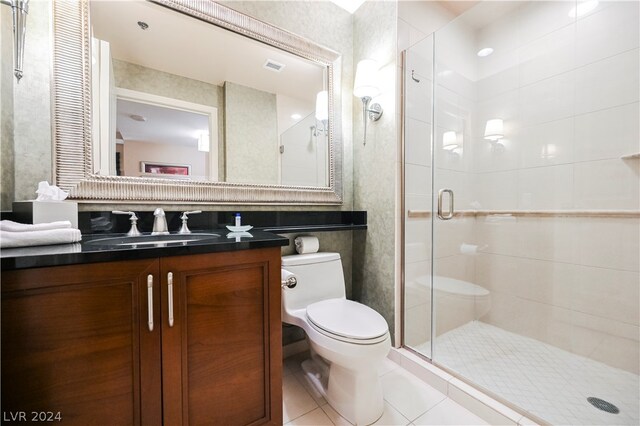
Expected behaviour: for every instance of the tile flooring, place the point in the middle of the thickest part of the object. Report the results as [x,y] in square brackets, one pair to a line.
[408,400]
[547,381]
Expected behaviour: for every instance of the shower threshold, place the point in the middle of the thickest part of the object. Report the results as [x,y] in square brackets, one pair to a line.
[549,382]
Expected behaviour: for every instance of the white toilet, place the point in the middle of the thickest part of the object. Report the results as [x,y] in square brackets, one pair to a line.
[348,340]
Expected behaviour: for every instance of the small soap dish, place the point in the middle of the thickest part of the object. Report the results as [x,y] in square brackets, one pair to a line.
[243,228]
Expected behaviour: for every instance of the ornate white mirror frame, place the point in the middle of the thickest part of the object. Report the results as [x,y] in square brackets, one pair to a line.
[71,105]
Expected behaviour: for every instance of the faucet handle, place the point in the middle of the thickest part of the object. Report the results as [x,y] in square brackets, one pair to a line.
[133,232]
[184,229]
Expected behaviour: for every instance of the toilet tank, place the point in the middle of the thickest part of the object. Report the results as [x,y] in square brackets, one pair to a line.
[319,275]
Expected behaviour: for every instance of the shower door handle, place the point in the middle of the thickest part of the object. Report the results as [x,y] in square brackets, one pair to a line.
[449,214]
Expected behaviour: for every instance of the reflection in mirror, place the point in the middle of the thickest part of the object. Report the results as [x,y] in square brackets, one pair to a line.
[155,130]
[162,81]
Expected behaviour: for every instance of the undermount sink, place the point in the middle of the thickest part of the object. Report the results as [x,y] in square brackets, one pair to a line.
[153,240]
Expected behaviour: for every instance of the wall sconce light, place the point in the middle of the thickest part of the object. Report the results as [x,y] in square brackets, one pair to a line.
[450,143]
[20,9]
[203,142]
[365,88]
[322,113]
[494,131]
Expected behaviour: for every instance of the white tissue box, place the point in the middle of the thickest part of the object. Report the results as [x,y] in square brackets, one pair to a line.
[46,211]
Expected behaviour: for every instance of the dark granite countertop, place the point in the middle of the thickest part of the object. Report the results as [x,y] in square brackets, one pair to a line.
[88,252]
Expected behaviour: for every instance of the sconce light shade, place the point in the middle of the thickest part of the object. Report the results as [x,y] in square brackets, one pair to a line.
[449,140]
[365,85]
[322,106]
[203,142]
[494,130]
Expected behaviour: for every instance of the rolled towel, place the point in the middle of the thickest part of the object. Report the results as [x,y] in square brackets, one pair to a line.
[308,244]
[11,226]
[39,238]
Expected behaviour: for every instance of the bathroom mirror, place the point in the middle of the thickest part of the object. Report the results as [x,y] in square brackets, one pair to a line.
[152,102]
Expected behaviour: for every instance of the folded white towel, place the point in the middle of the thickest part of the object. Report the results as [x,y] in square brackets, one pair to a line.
[10,226]
[39,238]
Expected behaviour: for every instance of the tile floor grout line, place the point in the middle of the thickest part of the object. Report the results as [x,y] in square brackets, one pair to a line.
[438,403]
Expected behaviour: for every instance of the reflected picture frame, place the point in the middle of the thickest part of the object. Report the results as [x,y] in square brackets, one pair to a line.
[154,167]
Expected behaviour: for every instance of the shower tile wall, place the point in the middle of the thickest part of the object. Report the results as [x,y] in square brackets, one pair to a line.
[567,90]
[568,93]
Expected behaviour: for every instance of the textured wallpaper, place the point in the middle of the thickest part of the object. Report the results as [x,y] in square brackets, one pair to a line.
[6,109]
[32,107]
[251,135]
[376,164]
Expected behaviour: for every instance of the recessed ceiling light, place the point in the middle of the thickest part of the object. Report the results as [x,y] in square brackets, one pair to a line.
[296,116]
[485,52]
[143,25]
[583,8]
[137,117]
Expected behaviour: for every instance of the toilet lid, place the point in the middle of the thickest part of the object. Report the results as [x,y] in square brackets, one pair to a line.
[346,318]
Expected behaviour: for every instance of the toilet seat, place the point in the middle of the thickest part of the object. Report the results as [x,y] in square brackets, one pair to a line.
[347,321]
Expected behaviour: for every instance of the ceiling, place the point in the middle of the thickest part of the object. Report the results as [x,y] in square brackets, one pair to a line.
[484,13]
[457,7]
[162,125]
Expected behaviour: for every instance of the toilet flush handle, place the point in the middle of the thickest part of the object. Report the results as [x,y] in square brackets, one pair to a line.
[287,279]
[290,282]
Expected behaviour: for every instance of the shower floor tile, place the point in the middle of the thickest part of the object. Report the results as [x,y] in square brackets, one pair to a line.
[547,381]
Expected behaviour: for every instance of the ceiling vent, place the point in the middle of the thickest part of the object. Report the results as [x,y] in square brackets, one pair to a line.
[272,65]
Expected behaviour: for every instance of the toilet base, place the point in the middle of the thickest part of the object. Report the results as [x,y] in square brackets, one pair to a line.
[356,397]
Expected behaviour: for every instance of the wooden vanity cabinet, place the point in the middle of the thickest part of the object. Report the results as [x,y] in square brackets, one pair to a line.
[79,340]
[75,342]
[222,357]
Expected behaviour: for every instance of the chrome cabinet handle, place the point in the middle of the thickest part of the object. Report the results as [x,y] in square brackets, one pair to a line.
[449,214]
[150,301]
[170,298]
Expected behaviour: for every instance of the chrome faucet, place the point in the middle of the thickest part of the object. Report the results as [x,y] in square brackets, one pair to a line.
[159,223]
[184,229]
[133,232]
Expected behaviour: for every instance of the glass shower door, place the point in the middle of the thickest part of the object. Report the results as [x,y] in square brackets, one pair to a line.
[417,135]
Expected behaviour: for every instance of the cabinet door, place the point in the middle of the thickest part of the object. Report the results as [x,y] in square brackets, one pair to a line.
[76,340]
[222,354]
